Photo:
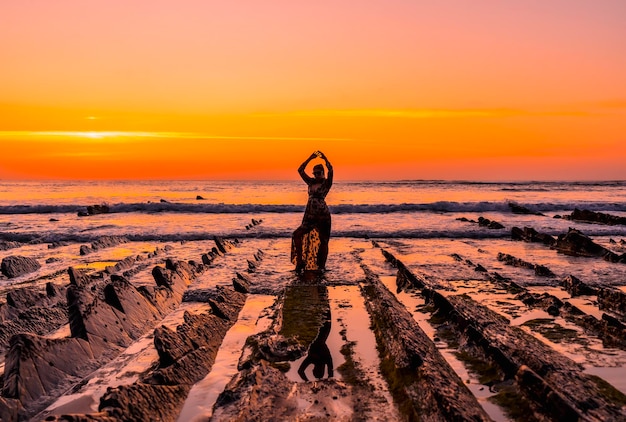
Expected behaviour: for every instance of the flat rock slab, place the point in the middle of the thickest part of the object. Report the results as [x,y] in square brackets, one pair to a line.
[553,380]
[554,384]
[102,243]
[423,380]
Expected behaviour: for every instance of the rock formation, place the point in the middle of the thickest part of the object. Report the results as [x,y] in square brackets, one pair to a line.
[519,209]
[94,210]
[32,309]
[483,222]
[540,270]
[101,243]
[15,266]
[6,245]
[575,287]
[575,243]
[528,234]
[595,217]
[544,382]
[491,224]
[104,317]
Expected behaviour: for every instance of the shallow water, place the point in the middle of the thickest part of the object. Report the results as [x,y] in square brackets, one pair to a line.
[433,261]
[334,342]
[202,397]
[414,302]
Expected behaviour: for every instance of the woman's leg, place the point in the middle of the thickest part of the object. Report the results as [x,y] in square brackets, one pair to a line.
[322,255]
[296,247]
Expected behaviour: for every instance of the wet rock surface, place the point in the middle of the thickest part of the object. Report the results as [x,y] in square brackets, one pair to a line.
[136,402]
[94,210]
[575,287]
[552,384]
[101,243]
[107,314]
[484,222]
[254,222]
[608,328]
[424,381]
[595,217]
[104,318]
[187,355]
[575,243]
[6,245]
[15,266]
[182,310]
[520,209]
[540,270]
[32,310]
[528,234]
[614,300]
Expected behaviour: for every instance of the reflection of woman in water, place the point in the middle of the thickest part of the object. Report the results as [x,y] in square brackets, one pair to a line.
[319,354]
[309,246]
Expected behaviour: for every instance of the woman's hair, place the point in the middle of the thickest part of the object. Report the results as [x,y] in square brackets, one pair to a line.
[318,167]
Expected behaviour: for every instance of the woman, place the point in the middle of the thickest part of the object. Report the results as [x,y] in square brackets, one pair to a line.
[309,245]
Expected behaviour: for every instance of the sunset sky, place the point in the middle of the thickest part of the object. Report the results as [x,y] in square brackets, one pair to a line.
[394,89]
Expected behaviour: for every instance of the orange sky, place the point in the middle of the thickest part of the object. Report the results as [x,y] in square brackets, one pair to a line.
[391,89]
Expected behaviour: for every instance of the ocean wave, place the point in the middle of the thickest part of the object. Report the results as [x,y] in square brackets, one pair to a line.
[73,238]
[40,209]
[530,184]
[471,233]
[439,206]
[525,189]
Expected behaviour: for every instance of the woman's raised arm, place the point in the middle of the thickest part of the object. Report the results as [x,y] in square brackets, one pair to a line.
[302,167]
[329,166]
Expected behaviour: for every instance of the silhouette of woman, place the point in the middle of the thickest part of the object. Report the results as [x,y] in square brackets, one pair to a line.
[309,245]
[318,354]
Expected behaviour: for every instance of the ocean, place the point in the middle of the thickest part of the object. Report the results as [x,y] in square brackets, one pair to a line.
[196,210]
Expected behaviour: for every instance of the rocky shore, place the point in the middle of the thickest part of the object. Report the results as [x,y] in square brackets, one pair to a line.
[380,336]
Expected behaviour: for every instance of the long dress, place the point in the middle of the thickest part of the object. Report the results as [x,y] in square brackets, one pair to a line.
[309,243]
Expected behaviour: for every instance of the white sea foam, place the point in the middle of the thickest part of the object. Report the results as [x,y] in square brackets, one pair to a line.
[221,208]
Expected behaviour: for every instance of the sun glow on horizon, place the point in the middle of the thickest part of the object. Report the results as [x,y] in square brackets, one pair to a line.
[121,135]
[56,135]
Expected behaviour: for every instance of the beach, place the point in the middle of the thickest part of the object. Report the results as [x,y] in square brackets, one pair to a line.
[177,300]
[312,211]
